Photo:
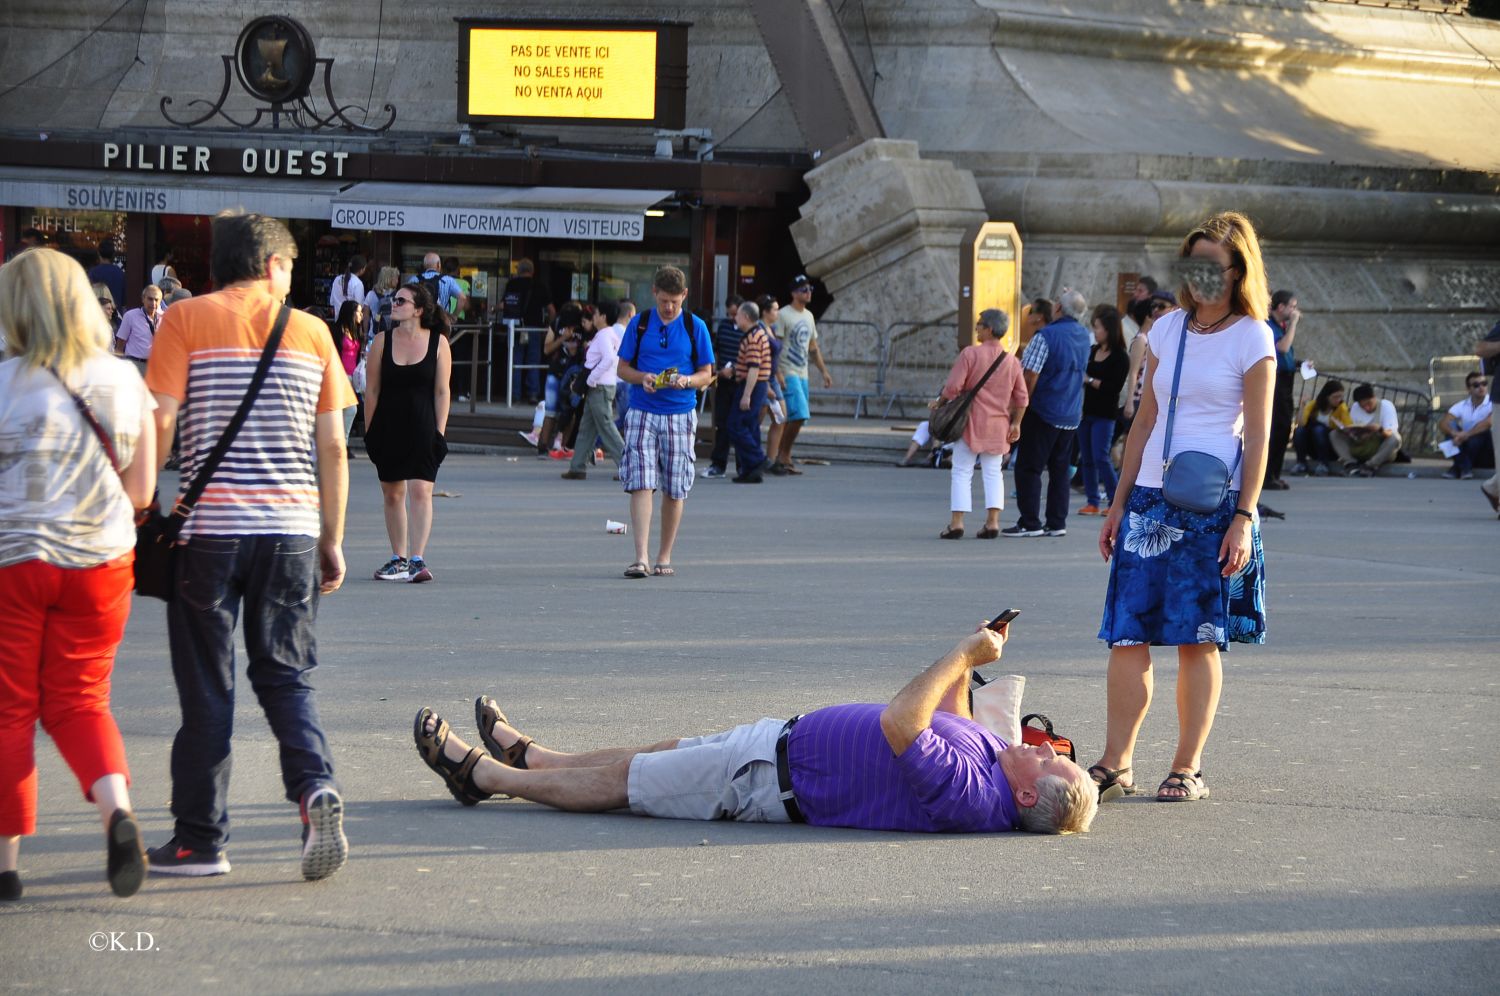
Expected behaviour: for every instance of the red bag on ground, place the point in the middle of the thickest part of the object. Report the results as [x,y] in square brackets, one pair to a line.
[1038,735]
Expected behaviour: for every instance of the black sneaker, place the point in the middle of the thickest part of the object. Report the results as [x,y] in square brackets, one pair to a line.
[324,846]
[125,861]
[1020,531]
[419,571]
[395,569]
[1059,531]
[172,858]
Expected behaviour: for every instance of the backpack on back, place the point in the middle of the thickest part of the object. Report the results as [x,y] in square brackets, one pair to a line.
[434,285]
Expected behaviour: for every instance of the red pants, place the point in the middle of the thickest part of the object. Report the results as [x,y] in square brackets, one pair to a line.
[59,630]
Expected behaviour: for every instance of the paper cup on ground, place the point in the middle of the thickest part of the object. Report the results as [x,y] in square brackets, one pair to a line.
[611,526]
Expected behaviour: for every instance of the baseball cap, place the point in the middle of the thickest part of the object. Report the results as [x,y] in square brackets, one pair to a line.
[800,281]
[1165,295]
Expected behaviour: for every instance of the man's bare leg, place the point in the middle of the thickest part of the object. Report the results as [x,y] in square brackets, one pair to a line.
[788,440]
[539,758]
[671,518]
[640,523]
[579,790]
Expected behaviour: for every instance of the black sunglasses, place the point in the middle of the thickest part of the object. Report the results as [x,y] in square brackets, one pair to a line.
[402,300]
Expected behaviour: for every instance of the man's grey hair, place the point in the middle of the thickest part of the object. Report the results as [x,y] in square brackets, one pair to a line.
[750,310]
[1074,304]
[627,308]
[169,285]
[1062,806]
[432,261]
[996,320]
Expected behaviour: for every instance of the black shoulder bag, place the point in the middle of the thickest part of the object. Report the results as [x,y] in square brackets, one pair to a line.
[156,538]
[950,418]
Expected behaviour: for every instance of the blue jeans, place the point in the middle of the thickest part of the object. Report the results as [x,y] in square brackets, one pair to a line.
[275,579]
[1042,447]
[1476,451]
[1313,444]
[744,429]
[1095,437]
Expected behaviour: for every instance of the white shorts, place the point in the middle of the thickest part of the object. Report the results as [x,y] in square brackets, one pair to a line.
[726,776]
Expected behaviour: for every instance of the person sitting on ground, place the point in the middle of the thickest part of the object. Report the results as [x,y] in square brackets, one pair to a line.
[921,439]
[1467,425]
[1373,437]
[919,764]
[1320,417]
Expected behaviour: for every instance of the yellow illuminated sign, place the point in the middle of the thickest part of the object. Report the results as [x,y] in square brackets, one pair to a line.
[990,277]
[556,73]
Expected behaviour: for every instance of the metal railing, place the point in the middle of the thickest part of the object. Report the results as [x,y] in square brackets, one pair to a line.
[918,356]
[856,353]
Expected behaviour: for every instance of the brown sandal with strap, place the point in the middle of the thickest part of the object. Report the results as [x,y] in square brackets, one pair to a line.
[486,714]
[457,775]
[1188,782]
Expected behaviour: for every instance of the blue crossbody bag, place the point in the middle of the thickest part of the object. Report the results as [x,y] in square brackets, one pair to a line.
[1192,480]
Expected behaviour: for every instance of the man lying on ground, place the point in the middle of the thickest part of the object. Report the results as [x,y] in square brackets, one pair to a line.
[920,763]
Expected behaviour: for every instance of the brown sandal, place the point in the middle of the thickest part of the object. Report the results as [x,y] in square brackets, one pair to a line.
[1187,782]
[457,775]
[486,714]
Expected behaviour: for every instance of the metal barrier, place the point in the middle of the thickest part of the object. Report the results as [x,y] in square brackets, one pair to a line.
[855,354]
[1413,408]
[512,328]
[918,356]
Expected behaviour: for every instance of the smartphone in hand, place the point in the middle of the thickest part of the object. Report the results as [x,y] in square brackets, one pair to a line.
[999,622]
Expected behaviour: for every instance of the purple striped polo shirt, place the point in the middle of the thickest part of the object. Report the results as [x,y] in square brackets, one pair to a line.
[949,780]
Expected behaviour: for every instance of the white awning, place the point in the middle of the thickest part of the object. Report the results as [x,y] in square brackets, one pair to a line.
[163,193]
[539,212]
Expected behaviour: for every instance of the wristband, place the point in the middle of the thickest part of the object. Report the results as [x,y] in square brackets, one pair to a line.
[1248,515]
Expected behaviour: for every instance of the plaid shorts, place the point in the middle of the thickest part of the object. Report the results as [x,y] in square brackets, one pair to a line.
[659,452]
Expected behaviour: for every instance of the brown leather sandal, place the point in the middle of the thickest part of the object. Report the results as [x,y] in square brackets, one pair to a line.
[486,713]
[457,775]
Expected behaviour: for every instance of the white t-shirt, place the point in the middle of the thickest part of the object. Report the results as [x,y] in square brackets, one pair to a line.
[1384,415]
[1211,399]
[60,499]
[1468,415]
[339,294]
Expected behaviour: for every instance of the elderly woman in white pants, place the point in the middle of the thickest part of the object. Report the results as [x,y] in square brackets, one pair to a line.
[994,422]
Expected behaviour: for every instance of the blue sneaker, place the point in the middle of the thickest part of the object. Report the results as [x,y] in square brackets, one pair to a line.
[172,858]
[418,571]
[395,569]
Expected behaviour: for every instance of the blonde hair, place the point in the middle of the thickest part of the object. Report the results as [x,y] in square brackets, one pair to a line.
[389,280]
[1235,233]
[49,314]
[102,293]
[1062,806]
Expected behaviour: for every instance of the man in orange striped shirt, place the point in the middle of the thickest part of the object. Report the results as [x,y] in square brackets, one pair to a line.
[265,537]
[752,371]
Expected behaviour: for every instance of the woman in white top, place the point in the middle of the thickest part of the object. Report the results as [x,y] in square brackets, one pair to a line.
[349,286]
[163,268]
[1179,578]
[77,458]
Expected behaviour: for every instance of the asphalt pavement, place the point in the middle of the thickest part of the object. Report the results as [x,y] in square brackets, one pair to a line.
[1349,845]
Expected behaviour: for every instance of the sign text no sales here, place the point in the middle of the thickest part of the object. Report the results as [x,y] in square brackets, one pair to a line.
[536,73]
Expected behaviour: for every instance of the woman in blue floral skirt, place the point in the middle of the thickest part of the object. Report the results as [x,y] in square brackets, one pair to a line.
[1179,578]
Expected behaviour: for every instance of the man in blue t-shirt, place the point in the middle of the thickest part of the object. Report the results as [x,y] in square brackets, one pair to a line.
[919,764]
[661,426]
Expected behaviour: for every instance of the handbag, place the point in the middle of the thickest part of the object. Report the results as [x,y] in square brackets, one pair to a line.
[156,537]
[996,705]
[1193,481]
[950,418]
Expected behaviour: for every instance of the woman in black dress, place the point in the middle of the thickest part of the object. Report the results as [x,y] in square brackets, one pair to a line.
[406,402]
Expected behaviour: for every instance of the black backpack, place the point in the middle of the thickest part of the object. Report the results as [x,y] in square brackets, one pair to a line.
[644,322]
[434,285]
